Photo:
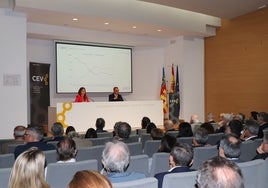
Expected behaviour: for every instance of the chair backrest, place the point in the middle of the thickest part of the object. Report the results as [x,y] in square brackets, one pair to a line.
[151,147]
[4,177]
[132,138]
[172,133]
[7,160]
[145,183]
[248,150]
[135,148]
[105,134]
[58,175]
[81,142]
[51,156]
[201,154]
[160,163]
[94,152]
[54,143]
[187,140]
[266,173]
[11,147]
[254,173]
[213,139]
[141,131]
[139,163]
[99,141]
[144,137]
[182,179]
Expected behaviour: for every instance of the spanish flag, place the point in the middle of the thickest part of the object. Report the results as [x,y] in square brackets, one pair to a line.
[163,92]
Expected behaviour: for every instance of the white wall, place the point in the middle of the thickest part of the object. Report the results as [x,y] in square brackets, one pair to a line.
[13,95]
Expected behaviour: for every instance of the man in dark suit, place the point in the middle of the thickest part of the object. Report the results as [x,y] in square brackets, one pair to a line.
[115,96]
[181,157]
[250,131]
[33,137]
[262,119]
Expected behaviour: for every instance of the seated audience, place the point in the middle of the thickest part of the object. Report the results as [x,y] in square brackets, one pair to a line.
[18,134]
[69,129]
[115,160]
[29,170]
[208,126]
[210,118]
[144,122]
[57,132]
[235,127]
[262,119]
[200,138]
[100,124]
[240,117]
[250,131]
[149,127]
[157,134]
[262,150]
[33,138]
[123,131]
[253,115]
[185,130]
[66,150]
[230,147]
[219,172]
[167,143]
[91,133]
[89,179]
[168,125]
[181,157]
[195,122]
[225,119]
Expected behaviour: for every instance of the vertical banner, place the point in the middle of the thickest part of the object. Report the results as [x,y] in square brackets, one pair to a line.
[174,106]
[39,93]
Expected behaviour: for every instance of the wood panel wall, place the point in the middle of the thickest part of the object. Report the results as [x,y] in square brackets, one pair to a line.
[236,66]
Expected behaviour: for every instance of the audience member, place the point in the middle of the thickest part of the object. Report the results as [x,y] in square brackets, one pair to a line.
[219,172]
[115,96]
[57,132]
[253,115]
[250,131]
[29,170]
[69,129]
[91,133]
[185,130]
[230,147]
[262,150]
[18,134]
[208,126]
[181,157]
[89,179]
[210,118]
[157,134]
[123,130]
[33,138]
[82,95]
[115,159]
[168,125]
[100,124]
[226,118]
[144,122]
[200,138]
[115,131]
[149,127]
[66,150]
[195,122]
[167,143]
[234,127]
[240,117]
[262,119]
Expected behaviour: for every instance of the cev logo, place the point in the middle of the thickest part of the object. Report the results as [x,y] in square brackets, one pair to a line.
[41,79]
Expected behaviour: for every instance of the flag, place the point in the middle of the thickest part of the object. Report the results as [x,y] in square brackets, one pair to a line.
[163,92]
[177,88]
[172,82]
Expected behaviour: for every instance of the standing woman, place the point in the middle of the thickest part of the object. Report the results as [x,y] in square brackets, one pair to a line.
[82,95]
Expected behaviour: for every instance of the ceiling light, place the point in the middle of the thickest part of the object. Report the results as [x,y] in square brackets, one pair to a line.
[106,23]
[75,19]
[159,30]
[261,7]
[134,27]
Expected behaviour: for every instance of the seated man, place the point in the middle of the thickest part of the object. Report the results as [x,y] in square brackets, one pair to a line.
[200,137]
[250,131]
[57,132]
[122,131]
[262,150]
[66,150]
[115,160]
[181,157]
[230,147]
[115,96]
[33,138]
[219,172]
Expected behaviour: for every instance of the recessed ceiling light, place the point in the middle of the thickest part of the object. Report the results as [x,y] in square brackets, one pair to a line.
[106,23]
[134,27]
[75,19]
[159,30]
[261,7]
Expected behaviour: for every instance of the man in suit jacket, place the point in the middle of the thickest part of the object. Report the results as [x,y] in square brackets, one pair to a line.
[262,119]
[181,157]
[250,131]
[115,96]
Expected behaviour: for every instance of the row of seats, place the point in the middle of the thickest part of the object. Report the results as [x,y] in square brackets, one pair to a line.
[255,174]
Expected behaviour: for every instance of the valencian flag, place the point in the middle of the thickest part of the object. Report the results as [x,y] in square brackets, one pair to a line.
[163,92]
[172,81]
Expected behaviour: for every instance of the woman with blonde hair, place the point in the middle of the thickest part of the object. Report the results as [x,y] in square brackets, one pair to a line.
[89,179]
[28,170]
